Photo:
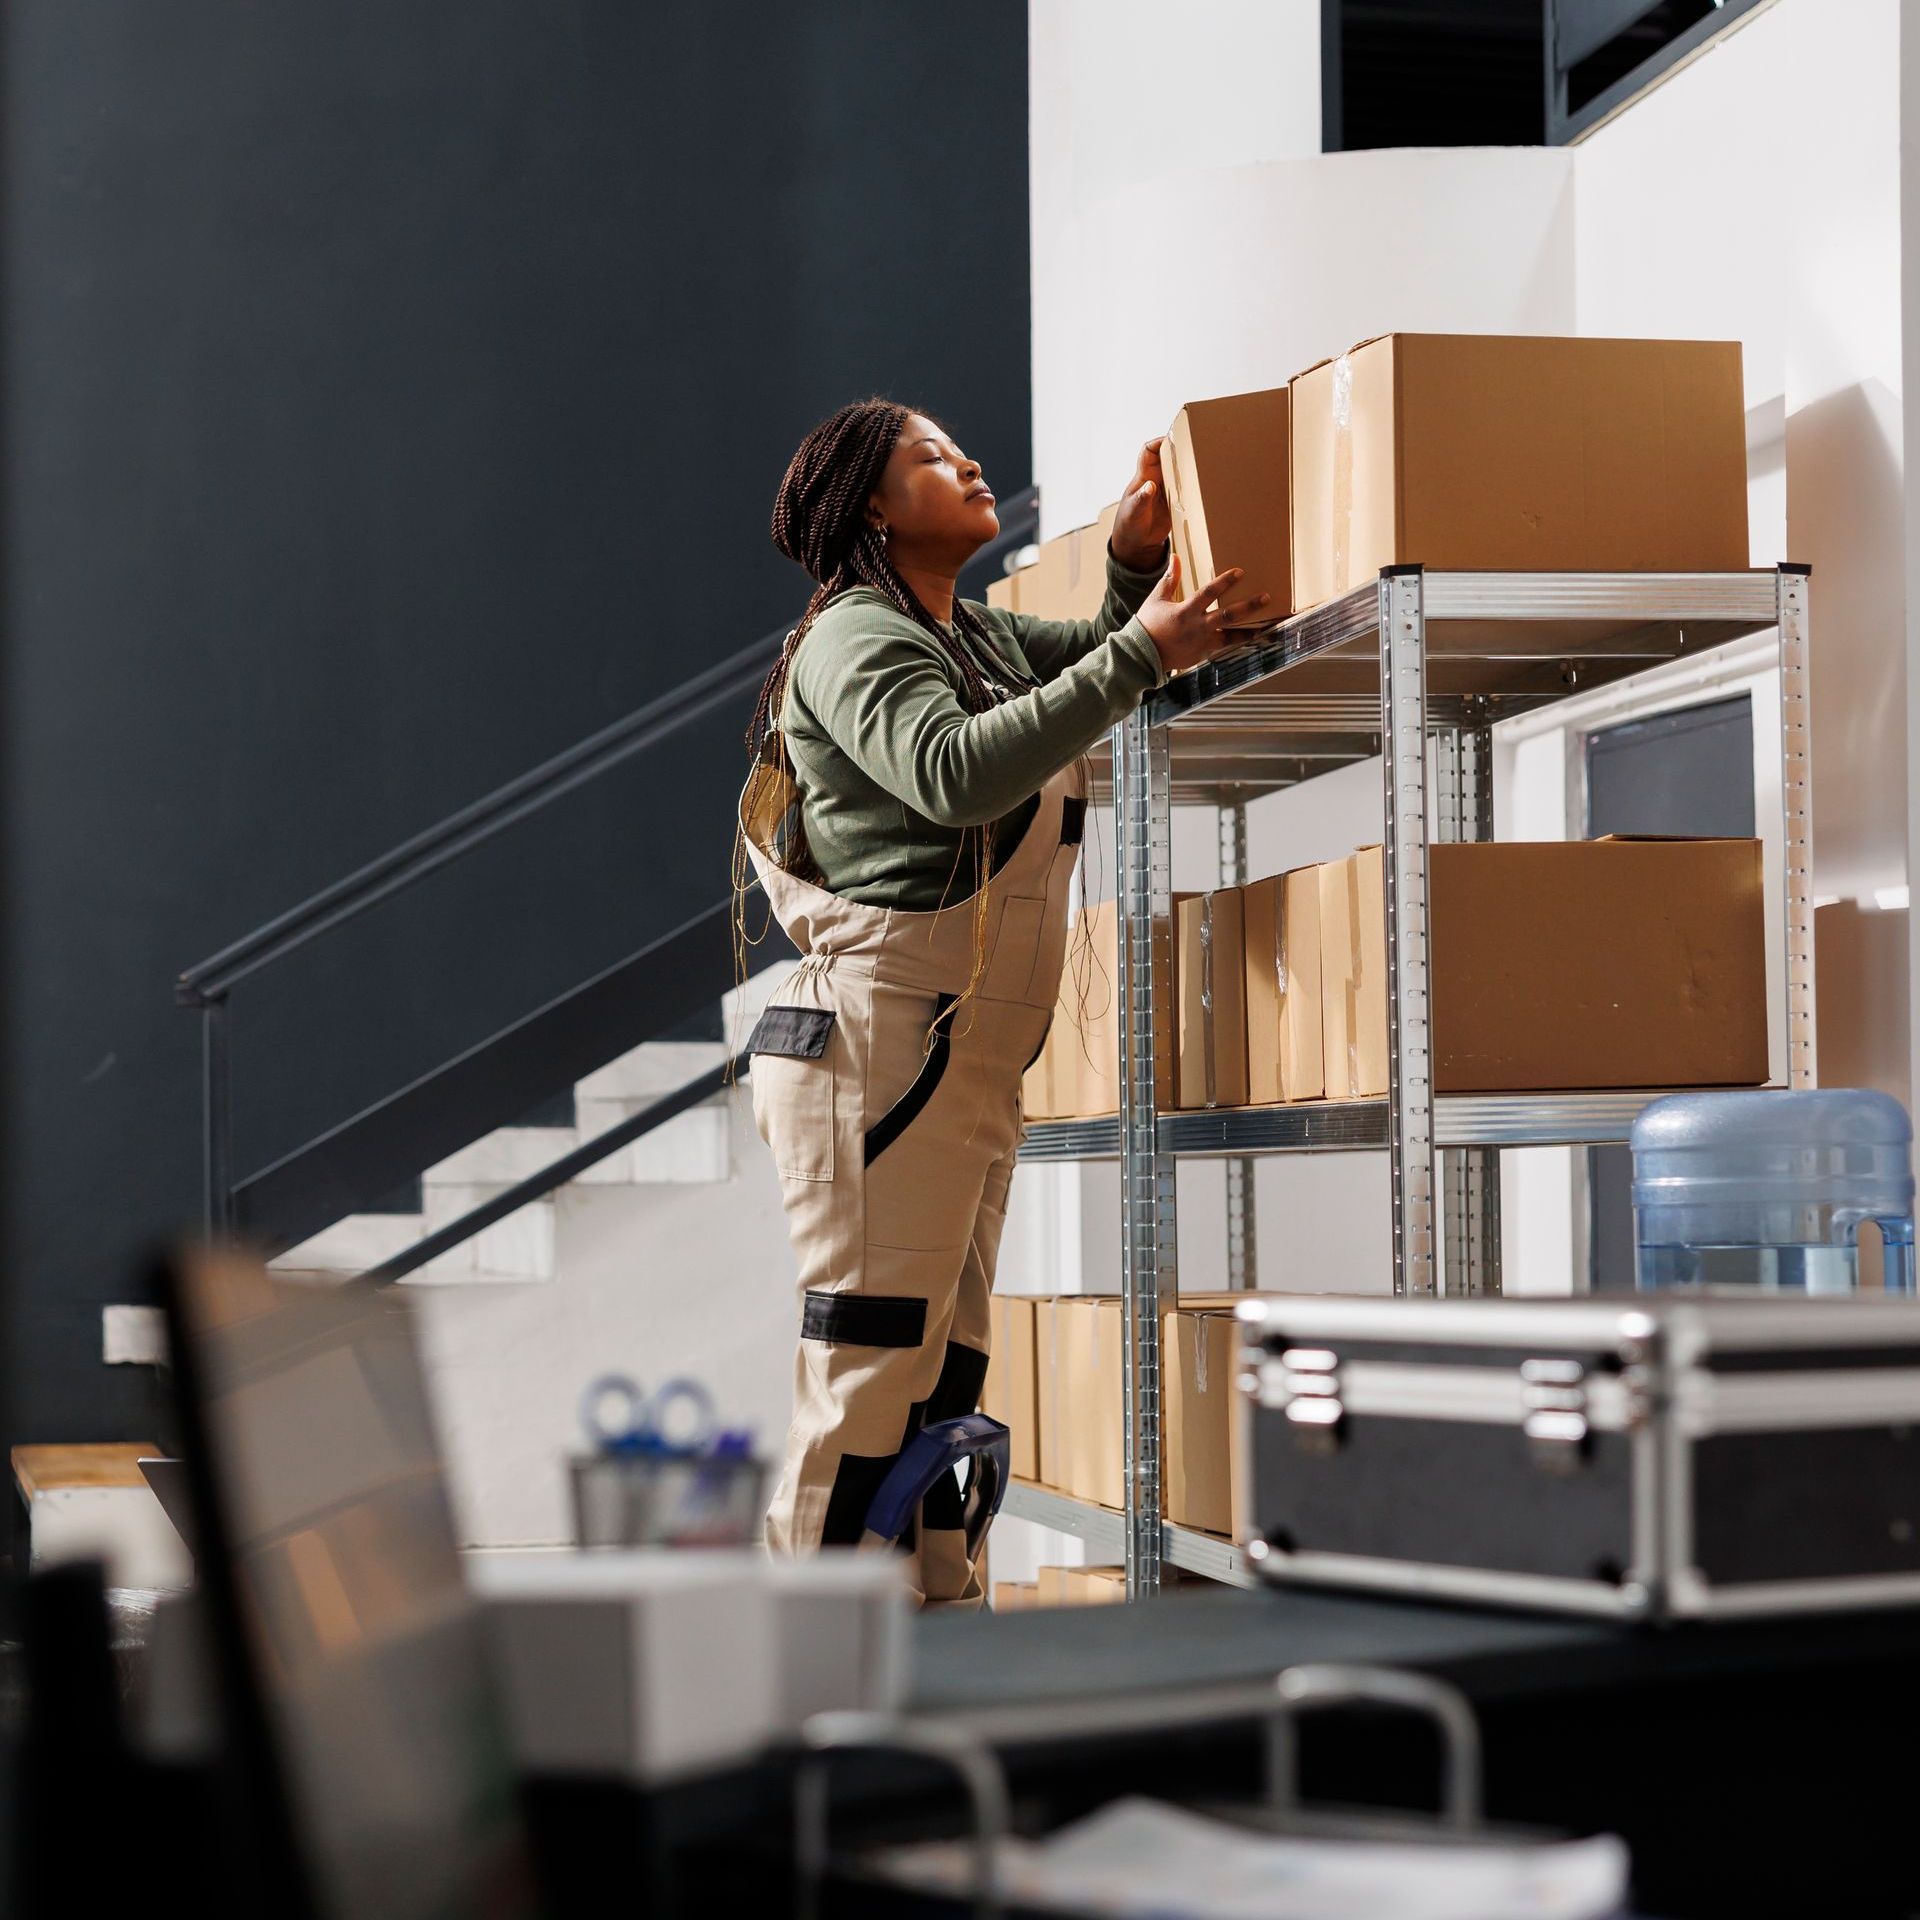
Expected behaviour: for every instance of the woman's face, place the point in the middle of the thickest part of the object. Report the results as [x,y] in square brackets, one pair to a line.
[932,498]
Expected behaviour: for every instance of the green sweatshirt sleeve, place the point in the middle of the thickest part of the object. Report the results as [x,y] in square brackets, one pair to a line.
[1054,645]
[881,688]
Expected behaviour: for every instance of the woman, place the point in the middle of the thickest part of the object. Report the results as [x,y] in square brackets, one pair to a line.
[914,814]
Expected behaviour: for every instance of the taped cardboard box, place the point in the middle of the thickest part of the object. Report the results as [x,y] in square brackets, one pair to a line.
[1089,1331]
[1226,464]
[1204,1430]
[1503,452]
[1068,577]
[1056,1429]
[1560,965]
[1011,1395]
[1210,972]
[1281,930]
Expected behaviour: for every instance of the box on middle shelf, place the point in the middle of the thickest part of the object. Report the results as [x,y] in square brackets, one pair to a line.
[1559,965]
[1530,454]
[1281,925]
[1077,1075]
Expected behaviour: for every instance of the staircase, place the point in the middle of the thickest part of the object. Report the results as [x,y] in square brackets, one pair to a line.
[690,1149]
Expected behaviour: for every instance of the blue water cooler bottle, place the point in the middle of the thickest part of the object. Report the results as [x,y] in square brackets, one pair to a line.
[1768,1189]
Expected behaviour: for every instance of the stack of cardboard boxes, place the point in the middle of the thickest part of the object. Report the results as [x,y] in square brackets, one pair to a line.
[1459,451]
[1055,1381]
[1554,966]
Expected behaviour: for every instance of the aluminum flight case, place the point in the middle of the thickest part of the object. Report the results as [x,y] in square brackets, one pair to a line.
[1649,1457]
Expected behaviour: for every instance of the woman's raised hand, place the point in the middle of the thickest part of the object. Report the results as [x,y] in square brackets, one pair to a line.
[1185,632]
[1144,522]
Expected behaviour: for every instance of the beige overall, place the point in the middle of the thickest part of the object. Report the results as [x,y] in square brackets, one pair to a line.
[892,1107]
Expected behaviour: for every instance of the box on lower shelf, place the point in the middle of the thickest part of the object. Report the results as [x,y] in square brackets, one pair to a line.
[1073,1444]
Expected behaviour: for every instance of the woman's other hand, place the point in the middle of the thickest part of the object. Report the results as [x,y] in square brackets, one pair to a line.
[1185,632]
[1144,522]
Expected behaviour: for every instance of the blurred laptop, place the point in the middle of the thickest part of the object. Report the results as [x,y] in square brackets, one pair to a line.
[365,1739]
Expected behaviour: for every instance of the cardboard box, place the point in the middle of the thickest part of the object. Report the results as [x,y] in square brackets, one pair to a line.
[1056,1429]
[1012,1393]
[1082,1586]
[1088,1336]
[1211,972]
[1088,1065]
[1517,453]
[1286,1058]
[1226,465]
[1083,1069]
[1353,975]
[1068,578]
[1560,965]
[1204,1429]
[1015,1596]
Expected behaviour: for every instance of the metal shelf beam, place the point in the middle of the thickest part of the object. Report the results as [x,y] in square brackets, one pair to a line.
[1344,1126]
[1105,1532]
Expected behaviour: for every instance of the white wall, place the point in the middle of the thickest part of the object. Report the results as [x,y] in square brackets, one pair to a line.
[1756,197]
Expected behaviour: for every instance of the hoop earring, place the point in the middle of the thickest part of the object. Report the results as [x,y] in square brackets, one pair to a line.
[883,534]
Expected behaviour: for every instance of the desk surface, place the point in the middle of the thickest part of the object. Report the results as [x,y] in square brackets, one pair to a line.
[964,1661]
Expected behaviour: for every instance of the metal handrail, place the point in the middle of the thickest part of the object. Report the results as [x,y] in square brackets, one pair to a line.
[206,986]
[474,825]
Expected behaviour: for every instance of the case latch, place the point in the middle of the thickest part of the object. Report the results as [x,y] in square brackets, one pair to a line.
[1554,1393]
[1310,1394]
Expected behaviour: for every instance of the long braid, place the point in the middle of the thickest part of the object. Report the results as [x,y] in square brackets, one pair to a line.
[820,521]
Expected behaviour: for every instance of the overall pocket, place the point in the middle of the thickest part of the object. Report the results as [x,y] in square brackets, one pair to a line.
[793,1089]
[1009,974]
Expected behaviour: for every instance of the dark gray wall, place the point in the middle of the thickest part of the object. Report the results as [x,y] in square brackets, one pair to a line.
[395,392]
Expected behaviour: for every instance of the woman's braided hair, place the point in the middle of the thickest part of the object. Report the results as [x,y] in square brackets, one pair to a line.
[820,521]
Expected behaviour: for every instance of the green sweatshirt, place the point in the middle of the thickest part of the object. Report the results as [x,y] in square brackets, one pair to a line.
[893,770]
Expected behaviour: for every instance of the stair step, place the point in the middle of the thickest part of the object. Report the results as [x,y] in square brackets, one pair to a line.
[691,1149]
[660,1067]
[504,1156]
[519,1247]
[354,1244]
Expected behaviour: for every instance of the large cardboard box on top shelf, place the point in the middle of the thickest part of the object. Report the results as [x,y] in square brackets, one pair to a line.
[1559,965]
[1225,463]
[1068,578]
[1286,1059]
[1211,999]
[1507,453]
[1011,1395]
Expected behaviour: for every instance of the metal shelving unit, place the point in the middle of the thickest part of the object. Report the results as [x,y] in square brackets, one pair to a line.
[1411,659]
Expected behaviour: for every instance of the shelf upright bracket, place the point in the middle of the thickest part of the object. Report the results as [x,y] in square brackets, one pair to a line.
[1242,1240]
[1469,1176]
[1149,1225]
[1403,739]
[1796,801]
